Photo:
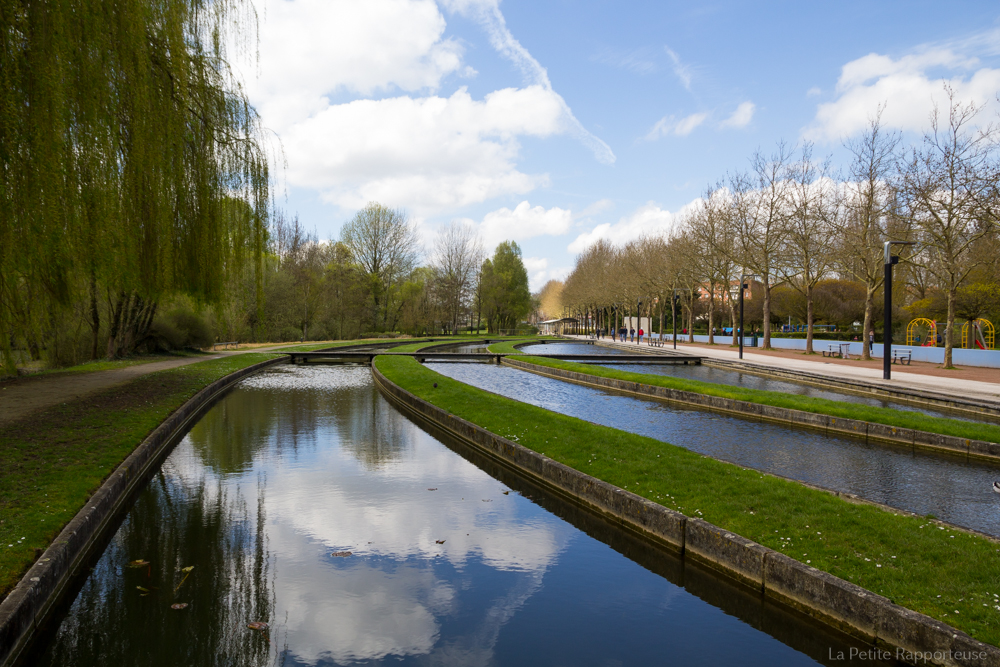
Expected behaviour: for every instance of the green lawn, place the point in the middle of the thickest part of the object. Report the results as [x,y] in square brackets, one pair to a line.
[889,416]
[52,461]
[945,573]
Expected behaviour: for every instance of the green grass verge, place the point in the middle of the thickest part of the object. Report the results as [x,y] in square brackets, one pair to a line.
[52,461]
[944,573]
[823,406]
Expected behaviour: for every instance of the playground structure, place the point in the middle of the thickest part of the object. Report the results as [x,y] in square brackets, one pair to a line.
[924,333]
[914,329]
[983,334]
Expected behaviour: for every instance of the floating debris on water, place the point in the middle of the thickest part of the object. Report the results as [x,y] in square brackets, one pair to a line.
[440,541]
[138,563]
[179,605]
[257,625]
[341,554]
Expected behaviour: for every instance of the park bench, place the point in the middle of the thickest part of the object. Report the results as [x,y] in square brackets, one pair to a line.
[833,350]
[225,346]
[902,356]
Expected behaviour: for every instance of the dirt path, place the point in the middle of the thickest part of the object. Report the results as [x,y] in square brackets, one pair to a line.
[22,396]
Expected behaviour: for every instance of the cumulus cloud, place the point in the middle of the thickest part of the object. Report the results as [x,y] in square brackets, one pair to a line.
[646,220]
[403,143]
[523,222]
[310,49]
[909,86]
[671,125]
[741,117]
[428,154]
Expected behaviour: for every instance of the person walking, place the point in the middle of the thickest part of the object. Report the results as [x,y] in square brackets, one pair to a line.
[640,336]
[871,342]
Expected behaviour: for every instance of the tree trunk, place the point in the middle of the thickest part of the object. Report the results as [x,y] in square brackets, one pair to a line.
[809,319]
[949,332]
[869,308]
[95,317]
[711,313]
[767,314]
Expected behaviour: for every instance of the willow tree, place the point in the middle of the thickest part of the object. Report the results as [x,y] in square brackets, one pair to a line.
[124,139]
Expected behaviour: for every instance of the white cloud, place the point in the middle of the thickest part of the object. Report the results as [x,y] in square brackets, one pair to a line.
[741,117]
[310,49]
[427,154]
[670,125]
[524,222]
[598,206]
[908,86]
[814,91]
[648,220]
[414,149]
[487,12]
[681,71]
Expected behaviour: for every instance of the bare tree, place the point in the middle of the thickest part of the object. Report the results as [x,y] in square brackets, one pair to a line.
[813,209]
[384,244]
[457,256]
[870,212]
[759,221]
[949,185]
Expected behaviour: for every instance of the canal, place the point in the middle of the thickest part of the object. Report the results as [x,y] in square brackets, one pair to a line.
[305,521]
[950,488]
[736,379]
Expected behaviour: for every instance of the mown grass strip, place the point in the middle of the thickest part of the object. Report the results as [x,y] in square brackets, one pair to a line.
[822,406]
[53,460]
[944,573]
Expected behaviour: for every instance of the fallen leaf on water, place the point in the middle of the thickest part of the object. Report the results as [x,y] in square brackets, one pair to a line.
[144,590]
[506,493]
[440,541]
[341,554]
[485,500]
[187,569]
[138,563]
[434,489]
[257,625]
[179,605]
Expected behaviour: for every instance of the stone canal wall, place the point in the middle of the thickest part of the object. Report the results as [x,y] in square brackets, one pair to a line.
[841,604]
[869,431]
[31,601]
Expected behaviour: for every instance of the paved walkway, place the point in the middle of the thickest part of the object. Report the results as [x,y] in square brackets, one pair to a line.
[974,383]
[22,396]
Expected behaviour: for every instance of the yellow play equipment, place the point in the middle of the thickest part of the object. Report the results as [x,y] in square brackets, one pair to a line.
[982,334]
[914,328]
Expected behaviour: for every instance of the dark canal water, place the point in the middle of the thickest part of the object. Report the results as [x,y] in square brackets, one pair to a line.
[451,562]
[734,378]
[950,488]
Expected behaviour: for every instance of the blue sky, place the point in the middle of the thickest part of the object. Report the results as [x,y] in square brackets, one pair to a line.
[557,123]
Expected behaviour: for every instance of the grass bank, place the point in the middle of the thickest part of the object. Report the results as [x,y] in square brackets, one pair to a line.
[947,574]
[52,461]
[823,406]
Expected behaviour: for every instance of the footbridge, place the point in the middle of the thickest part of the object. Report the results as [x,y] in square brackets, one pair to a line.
[366,357]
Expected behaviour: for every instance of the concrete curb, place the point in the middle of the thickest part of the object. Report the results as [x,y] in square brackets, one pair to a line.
[868,431]
[827,598]
[33,598]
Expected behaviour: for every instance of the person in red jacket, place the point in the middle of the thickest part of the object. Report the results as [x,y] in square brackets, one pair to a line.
[640,337]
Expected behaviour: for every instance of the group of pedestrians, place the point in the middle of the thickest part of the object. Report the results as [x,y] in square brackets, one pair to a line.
[627,335]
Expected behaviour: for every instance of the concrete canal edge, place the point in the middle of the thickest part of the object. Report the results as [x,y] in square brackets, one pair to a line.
[838,603]
[870,431]
[28,605]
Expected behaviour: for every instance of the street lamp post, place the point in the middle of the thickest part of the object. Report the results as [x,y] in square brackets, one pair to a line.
[743,287]
[890,259]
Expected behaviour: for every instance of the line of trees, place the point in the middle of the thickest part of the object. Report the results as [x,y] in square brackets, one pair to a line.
[811,239]
[371,282]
